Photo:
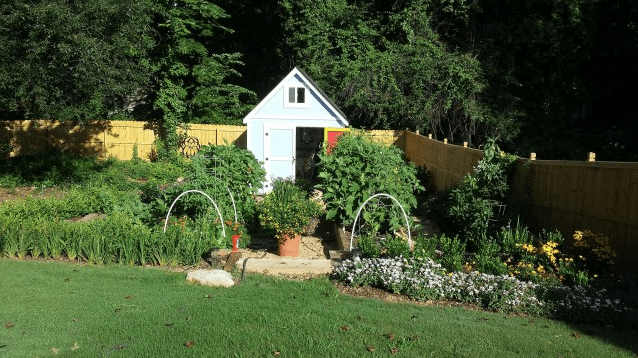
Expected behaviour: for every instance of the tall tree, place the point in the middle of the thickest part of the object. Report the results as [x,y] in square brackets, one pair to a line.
[73,60]
[156,60]
[258,35]
[567,67]
[191,80]
[388,68]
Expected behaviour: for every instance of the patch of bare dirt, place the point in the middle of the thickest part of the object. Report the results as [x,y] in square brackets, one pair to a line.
[26,192]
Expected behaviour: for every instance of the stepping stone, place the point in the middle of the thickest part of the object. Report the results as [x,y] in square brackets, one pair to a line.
[285,266]
[211,278]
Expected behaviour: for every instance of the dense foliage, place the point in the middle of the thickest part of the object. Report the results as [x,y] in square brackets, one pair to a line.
[478,206]
[72,60]
[228,174]
[150,60]
[109,211]
[549,76]
[387,67]
[190,82]
[287,210]
[358,167]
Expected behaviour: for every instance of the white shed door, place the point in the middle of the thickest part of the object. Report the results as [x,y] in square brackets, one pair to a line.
[279,153]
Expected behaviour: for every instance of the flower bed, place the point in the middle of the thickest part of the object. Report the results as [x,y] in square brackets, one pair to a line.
[424,279]
[427,280]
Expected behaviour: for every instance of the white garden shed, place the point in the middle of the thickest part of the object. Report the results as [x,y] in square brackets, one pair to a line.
[285,130]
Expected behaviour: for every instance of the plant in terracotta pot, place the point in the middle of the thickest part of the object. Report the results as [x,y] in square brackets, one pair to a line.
[287,210]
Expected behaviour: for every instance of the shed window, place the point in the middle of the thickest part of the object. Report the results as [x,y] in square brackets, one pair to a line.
[296,95]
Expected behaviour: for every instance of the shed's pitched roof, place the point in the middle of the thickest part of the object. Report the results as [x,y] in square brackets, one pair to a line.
[312,85]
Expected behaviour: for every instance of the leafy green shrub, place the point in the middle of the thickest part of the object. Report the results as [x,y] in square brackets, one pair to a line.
[424,246]
[218,171]
[372,247]
[368,246]
[356,168]
[488,259]
[473,209]
[453,250]
[395,246]
[287,210]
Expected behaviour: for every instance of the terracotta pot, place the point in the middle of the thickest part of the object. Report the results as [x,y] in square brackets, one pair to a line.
[289,246]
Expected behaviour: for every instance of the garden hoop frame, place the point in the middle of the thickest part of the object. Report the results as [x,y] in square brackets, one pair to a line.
[221,219]
[405,216]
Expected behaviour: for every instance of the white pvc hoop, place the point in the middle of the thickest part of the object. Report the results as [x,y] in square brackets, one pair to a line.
[209,198]
[407,223]
[233,200]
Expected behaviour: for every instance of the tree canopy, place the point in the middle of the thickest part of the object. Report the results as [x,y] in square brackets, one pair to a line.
[72,60]
[551,76]
[387,67]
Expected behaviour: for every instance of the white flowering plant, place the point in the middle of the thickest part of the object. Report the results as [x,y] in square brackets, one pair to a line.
[425,279]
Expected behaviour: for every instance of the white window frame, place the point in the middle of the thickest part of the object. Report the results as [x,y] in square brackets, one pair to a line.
[295,104]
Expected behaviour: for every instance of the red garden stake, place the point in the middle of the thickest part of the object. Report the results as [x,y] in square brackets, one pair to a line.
[235,243]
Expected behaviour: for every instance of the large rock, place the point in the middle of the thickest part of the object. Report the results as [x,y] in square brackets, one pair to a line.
[211,278]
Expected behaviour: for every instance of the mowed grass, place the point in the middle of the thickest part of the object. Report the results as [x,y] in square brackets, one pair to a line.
[68,310]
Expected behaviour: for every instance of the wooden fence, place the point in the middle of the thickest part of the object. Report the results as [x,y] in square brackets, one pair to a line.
[447,163]
[107,138]
[563,195]
[117,139]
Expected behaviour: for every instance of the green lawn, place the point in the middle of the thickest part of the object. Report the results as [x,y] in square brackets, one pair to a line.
[66,310]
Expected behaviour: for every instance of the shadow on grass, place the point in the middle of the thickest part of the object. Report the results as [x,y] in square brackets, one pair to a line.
[49,169]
